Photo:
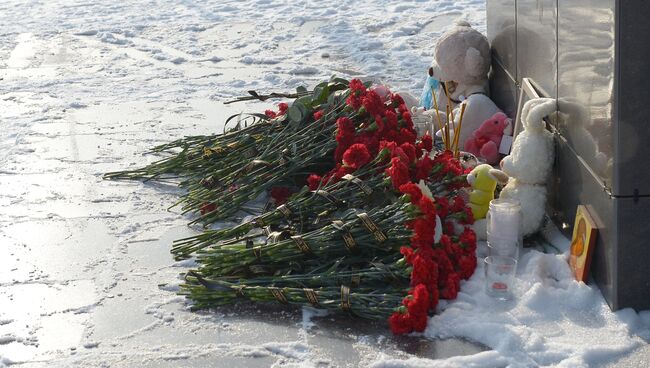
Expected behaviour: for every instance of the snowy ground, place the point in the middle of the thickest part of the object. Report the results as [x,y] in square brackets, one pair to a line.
[86,278]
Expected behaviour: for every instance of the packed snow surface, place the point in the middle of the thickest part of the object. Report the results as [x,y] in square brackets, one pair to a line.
[86,278]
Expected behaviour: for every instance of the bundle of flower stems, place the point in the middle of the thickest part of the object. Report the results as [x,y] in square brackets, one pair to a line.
[221,173]
[309,209]
[284,267]
[365,219]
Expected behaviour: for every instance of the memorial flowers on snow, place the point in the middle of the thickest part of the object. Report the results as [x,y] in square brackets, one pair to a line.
[362,215]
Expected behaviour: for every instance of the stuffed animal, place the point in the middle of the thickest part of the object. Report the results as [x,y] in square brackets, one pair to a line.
[530,163]
[484,142]
[461,64]
[483,187]
[483,179]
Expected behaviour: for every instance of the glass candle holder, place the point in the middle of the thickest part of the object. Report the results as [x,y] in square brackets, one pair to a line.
[499,276]
[505,248]
[504,222]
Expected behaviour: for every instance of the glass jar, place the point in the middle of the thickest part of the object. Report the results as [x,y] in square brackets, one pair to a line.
[504,223]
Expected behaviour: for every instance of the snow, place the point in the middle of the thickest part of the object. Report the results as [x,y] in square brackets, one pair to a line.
[553,320]
[86,278]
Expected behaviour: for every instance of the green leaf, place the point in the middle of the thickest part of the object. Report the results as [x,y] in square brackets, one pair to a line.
[321,94]
[305,101]
[336,97]
[295,113]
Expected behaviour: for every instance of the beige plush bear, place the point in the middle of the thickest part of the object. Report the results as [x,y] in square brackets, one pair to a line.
[462,61]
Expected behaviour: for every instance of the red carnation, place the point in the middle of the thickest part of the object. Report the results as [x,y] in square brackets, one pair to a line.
[449,228]
[409,150]
[467,265]
[356,156]
[270,114]
[207,208]
[408,254]
[434,296]
[406,136]
[379,122]
[468,239]
[357,86]
[396,99]
[417,302]
[458,204]
[388,145]
[408,122]
[313,181]
[427,207]
[419,322]
[372,103]
[343,170]
[280,195]
[423,168]
[283,107]
[442,207]
[425,270]
[398,172]
[345,127]
[444,265]
[391,120]
[468,217]
[413,191]
[426,143]
[424,233]
[450,291]
[353,101]
[370,141]
[400,323]
[445,241]
[318,115]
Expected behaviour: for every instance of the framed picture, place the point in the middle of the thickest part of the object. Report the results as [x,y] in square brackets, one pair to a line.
[584,236]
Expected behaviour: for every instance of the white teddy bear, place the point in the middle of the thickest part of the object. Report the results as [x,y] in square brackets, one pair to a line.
[530,163]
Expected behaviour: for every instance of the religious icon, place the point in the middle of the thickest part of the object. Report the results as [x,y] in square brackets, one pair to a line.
[582,244]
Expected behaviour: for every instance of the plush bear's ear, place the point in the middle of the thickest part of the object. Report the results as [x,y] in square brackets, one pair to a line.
[474,62]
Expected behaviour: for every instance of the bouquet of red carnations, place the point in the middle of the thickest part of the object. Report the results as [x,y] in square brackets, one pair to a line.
[363,214]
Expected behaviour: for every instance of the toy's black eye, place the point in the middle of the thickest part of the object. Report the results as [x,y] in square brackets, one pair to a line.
[496,122]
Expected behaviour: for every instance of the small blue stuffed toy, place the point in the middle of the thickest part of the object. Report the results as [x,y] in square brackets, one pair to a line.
[430,86]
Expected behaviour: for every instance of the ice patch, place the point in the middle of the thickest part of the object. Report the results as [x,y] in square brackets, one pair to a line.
[90,32]
[7,339]
[77,105]
[178,60]
[308,70]
[109,37]
[487,359]
[259,60]
[293,350]
[91,345]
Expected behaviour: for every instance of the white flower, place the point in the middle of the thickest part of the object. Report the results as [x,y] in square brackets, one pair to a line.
[427,192]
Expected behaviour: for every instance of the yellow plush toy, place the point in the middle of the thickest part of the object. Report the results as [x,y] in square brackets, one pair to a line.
[483,179]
